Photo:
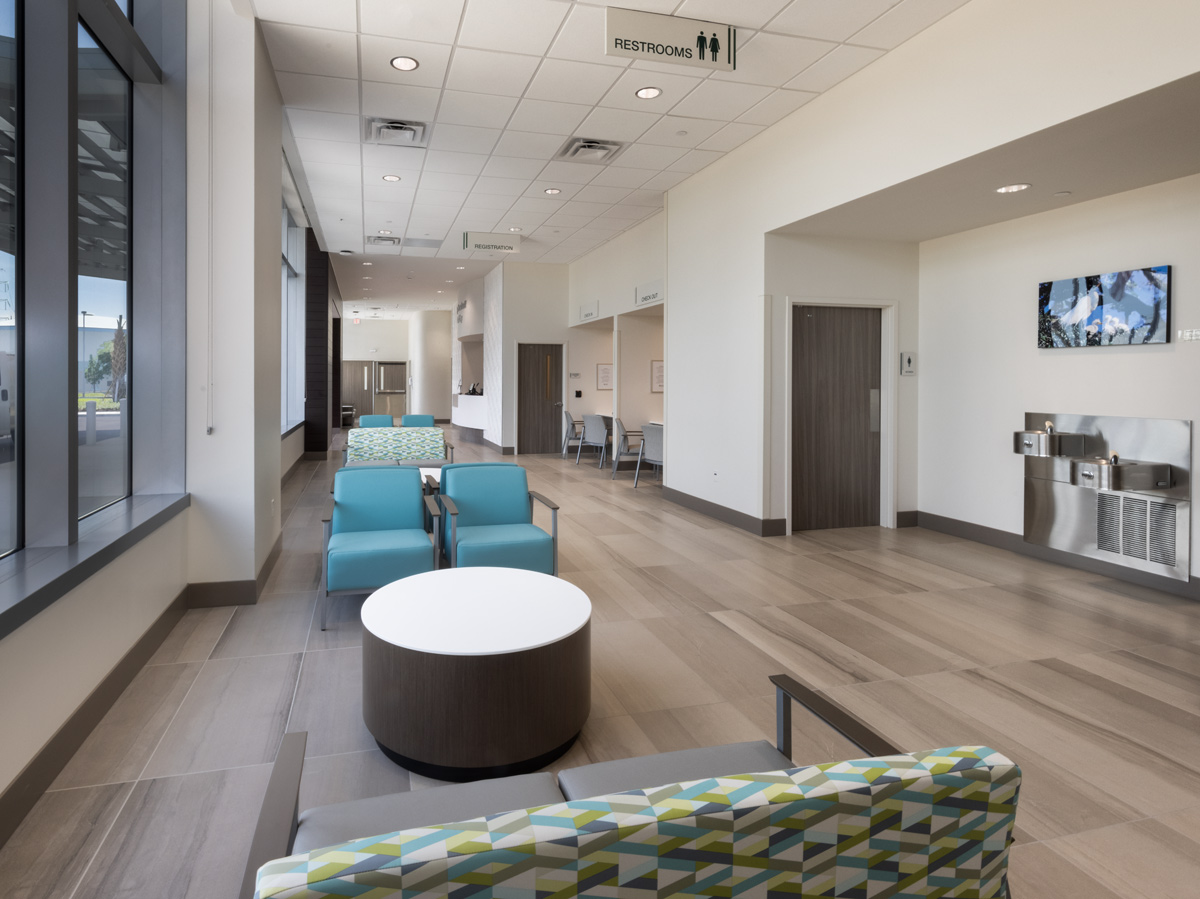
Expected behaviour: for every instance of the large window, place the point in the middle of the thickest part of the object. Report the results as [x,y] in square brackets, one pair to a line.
[292,349]
[104,136]
[10,505]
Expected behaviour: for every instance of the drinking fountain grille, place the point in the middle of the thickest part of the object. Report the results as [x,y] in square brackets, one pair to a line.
[1137,528]
[1108,522]
[1133,527]
[1162,533]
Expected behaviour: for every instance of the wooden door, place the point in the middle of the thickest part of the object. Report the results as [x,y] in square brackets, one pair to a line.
[835,417]
[539,398]
[357,390]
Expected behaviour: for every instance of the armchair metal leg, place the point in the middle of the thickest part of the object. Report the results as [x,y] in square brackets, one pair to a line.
[603,451]
[638,470]
[579,452]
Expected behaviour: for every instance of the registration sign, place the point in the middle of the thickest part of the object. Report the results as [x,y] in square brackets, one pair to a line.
[491,243]
[670,39]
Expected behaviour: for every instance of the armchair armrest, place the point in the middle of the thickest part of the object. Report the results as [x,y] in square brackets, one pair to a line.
[431,483]
[452,511]
[553,507]
[449,450]
[435,513]
[545,502]
[276,829]
[788,690]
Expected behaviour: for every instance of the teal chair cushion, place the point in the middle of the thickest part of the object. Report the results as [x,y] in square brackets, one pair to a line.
[416,421]
[366,560]
[449,466]
[488,494]
[506,546]
[376,421]
[377,499]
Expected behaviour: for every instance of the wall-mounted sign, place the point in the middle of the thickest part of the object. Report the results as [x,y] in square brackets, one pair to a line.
[671,39]
[649,293]
[604,376]
[494,243]
[588,311]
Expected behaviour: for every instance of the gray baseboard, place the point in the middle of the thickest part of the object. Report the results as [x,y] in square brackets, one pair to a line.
[260,582]
[208,594]
[762,527]
[315,456]
[24,792]
[1189,589]
[502,450]
[906,519]
[468,435]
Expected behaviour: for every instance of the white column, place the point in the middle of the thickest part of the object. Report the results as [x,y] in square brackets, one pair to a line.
[429,364]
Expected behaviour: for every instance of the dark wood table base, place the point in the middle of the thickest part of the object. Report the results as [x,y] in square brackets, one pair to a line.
[462,775]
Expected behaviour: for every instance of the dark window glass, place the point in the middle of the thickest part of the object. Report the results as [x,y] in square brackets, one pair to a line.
[9,196]
[104,134]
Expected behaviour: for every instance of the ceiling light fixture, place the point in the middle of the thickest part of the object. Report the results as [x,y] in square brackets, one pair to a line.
[1012,188]
[648,93]
[448,281]
[460,268]
[514,230]
[368,278]
[1063,193]
[384,231]
[553,190]
[404,63]
[346,252]
[368,263]
[391,178]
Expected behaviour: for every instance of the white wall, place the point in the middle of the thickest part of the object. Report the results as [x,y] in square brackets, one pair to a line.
[640,340]
[291,448]
[471,293]
[588,346]
[429,364]
[609,275]
[980,369]
[493,354]
[1001,72]
[385,340]
[471,358]
[55,660]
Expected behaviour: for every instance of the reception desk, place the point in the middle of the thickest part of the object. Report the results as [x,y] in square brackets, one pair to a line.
[470,412]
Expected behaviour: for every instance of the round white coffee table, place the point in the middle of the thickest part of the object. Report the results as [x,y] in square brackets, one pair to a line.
[476,672]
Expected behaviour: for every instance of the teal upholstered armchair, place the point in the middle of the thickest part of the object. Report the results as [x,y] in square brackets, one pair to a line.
[376,421]
[490,510]
[416,421]
[376,533]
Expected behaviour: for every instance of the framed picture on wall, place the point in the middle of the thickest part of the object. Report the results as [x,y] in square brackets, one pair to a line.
[604,376]
[657,376]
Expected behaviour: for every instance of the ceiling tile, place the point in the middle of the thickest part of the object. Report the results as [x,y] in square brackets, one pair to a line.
[667,131]
[627,212]
[324,125]
[843,62]
[463,138]
[773,59]
[490,72]
[337,152]
[383,214]
[418,251]
[616,124]
[399,158]
[566,81]
[454,163]
[695,161]
[430,197]
[528,145]
[517,26]
[645,156]
[475,221]
[341,15]
[399,101]
[382,192]
[480,200]
[373,177]
[447,181]
[566,190]
[312,51]
[484,110]
[742,14]
[434,20]
[573,172]
[732,135]
[513,167]
[568,221]
[545,205]
[623,93]
[720,100]
[378,53]
[318,92]
[593,194]
[576,207]
[339,207]
[508,187]
[828,21]
[775,107]
[582,38]
[904,20]
[523,220]
[548,117]
[331,173]
[665,180]
[619,176]
[644,198]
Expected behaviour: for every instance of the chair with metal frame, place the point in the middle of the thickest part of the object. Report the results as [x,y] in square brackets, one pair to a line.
[376,421]
[417,421]
[621,447]
[651,450]
[570,432]
[595,433]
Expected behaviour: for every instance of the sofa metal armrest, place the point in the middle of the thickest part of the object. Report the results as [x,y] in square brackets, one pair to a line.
[853,728]
[277,821]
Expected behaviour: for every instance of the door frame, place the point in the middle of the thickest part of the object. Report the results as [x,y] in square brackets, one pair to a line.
[889,355]
[516,390]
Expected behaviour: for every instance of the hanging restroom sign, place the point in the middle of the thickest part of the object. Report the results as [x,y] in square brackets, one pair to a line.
[491,243]
[686,42]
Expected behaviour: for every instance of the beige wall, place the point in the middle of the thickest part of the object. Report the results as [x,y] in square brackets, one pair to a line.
[640,339]
[385,340]
[429,364]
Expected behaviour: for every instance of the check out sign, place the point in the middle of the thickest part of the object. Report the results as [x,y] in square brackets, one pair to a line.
[670,39]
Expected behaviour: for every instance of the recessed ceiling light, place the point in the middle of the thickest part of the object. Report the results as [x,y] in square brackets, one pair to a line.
[368,263]
[1012,188]
[404,63]
[391,177]
[514,229]
[1063,193]
[681,134]
[346,252]
[384,231]
[553,190]
[441,291]
[448,281]
[649,93]
[367,278]
[461,268]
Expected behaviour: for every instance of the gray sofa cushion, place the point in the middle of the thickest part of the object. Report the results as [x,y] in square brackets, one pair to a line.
[331,824]
[670,767]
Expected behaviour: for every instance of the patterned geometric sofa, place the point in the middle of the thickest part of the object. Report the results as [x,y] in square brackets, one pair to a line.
[935,823]
[406,446]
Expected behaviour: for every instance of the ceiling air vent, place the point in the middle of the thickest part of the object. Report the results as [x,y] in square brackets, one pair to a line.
[590,150]
[427,243]
[396,133]
[377,241]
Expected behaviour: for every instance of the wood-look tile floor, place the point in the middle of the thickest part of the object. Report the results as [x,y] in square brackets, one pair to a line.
[1092,685]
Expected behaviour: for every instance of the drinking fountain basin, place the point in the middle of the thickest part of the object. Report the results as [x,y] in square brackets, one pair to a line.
[1048,443]
[1115,473]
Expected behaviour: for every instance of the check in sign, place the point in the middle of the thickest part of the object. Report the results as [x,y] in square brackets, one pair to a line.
[687,42]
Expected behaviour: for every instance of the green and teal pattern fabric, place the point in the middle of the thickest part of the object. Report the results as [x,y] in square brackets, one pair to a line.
[373,444]
[935,823]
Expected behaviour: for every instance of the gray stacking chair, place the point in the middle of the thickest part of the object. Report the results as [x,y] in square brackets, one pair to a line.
[595,433]
[621,447]
[570,432]
[651,450]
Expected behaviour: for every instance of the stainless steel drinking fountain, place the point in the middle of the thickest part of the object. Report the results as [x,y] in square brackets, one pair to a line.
[1110,488]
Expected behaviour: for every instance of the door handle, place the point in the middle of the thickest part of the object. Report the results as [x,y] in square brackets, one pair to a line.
[874,410]
[547,377]
[558,403]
